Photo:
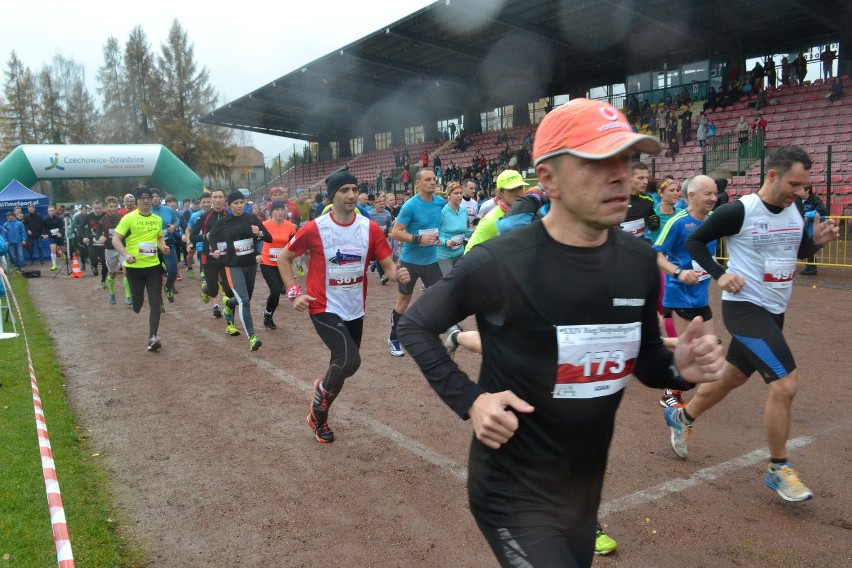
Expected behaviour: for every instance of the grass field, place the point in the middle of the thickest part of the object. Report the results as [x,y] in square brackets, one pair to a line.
[25,530]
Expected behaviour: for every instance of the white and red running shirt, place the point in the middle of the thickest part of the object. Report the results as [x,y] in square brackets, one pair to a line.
[339,257]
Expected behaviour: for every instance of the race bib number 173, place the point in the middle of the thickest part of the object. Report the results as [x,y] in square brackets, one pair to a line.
[595,360]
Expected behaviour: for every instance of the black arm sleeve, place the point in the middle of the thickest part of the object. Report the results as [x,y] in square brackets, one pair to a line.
[470,288]
[726,220]
[807,247]
[266,236]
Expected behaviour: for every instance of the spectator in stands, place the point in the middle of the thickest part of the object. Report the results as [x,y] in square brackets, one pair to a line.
[380,176]
[396,158]
[827,57]
[632,109]
[760,102]
[836,92]
[812,206]
[405,177]
[734,72]
[439,170]
[711,133]
[661,122]
[674,147]
[701,131]
[671,125]
[757,75]
[801,66]
[424,159]
[683,98]
[758,126]
[646,114]
[712,99]
[686,125]
[785,71]
[721,194]
[770,72]
[452,130]
[742,130]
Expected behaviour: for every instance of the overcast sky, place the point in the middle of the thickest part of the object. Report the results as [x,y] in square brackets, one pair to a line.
[244,47]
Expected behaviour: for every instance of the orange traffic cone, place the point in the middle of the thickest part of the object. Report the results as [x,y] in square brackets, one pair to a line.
[75,268]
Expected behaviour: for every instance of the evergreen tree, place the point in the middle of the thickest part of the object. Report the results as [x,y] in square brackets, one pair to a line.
[20,109]
[183,96]
[111,76]
[139,78]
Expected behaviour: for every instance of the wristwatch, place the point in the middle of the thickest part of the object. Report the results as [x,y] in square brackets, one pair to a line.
[677,272]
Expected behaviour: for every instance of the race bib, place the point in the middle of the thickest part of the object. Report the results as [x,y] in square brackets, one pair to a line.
[595,360]
[635,228]
[273,254]
[243,247]
[345,276]
[222,247]
[455,242]
[147,249]
[112,233]
[778,272]
[699,271]
[54,232]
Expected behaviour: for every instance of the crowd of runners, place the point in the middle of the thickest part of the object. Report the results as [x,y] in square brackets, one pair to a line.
[576,283]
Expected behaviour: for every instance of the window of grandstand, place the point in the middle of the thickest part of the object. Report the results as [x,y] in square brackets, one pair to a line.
[497,119]
[356,146]
[384,141]
[335,150]
[413,135]
[538,109]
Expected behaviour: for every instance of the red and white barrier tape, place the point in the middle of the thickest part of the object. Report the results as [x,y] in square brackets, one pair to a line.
[64,556]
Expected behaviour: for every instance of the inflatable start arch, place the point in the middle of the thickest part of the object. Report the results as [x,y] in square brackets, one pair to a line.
[30,163]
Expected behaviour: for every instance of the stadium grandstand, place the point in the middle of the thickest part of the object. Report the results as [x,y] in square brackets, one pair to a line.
[474,70]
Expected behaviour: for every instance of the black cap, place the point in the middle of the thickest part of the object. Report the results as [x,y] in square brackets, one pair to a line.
[234,195]
[338,179]
[143,192]
[277,204]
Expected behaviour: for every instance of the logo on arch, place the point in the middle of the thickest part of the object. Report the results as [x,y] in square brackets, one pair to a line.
[54,163]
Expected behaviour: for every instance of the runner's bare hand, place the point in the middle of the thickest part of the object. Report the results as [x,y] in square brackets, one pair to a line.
[493,417]
[301,303]
[699,358]
[825,232]
[732,283]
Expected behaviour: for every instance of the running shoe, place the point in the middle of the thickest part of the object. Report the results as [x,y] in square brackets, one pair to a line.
[201,274]
[604,544]
[229,313]
[204,297]
[318,415]
[94,271]
[449,340]
[154,344]
[301,272]
[784,480]
[384,279]
[170,295]
[267,321]
[217,311]
[395,347]
[103,285]
[373,265]
[112,299]
[231,329]
[162,308]
[680,431]
[128,301]
[53,267]
[254,343]
[190,273]
[672,399]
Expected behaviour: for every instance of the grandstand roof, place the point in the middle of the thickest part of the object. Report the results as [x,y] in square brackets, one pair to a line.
[481,54]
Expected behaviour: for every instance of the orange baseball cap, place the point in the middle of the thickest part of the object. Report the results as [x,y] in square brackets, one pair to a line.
[589,129]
